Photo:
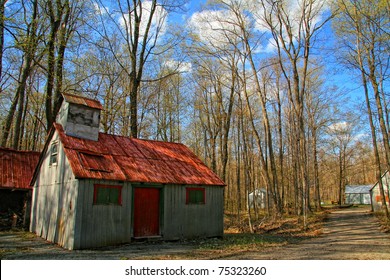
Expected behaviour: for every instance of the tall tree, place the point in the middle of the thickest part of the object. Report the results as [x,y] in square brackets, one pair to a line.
[63,16]
[364,28]
[140,25]
[27,42]
[2,23]
[293,26]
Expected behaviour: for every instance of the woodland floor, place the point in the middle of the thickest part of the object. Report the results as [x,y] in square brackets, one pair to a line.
[350,233]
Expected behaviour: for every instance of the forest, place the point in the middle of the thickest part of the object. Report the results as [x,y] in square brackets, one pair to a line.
[289,96]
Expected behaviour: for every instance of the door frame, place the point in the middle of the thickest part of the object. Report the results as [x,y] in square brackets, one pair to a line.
[161,207]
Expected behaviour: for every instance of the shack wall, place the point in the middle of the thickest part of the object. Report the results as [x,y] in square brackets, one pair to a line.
[102,225]
[357,198]
[183,220]
[53,200]
[375,193]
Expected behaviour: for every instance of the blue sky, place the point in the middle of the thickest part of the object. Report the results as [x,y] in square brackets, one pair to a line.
[336,76]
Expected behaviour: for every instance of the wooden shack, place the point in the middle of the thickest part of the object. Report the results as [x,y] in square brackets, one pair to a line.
[16,170]
[93,189]
[376,200]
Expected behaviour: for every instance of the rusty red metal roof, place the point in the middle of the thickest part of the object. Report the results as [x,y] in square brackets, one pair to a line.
[81,100]
[17,168]
[121,158]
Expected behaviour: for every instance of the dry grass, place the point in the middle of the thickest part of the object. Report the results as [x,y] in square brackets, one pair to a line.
[287,225]
[267,233]
[384,221]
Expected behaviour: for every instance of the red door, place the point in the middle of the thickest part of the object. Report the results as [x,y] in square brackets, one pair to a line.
[146,212]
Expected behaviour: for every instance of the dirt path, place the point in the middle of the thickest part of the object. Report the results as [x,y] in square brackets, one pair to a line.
[349,234]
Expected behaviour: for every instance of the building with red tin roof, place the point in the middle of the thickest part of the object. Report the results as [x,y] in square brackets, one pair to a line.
[16,170]
[93,189]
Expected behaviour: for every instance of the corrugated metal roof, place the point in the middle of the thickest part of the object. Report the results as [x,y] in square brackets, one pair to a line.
[358,188]
[17,168]
[81,100]
[121,158]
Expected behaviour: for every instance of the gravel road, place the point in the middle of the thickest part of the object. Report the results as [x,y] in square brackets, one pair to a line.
[349,234]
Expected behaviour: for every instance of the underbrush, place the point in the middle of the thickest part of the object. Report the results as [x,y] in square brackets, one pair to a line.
[286,225]
[384,221]
[266,233]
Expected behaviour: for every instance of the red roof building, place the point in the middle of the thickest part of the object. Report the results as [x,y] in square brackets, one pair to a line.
[134,160]
[92,189]
[17,168]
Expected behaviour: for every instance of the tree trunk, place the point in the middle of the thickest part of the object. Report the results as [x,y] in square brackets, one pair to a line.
[381,117]
[8,121]
[55,23]
[317,193]
[373,134]
[2,25]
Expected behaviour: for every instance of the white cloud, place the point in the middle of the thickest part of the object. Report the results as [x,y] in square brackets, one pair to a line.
[361,136]
[293,14]
[159,19]
[269,47]
[178,65]
[215,27]
[100,10]
[340,126]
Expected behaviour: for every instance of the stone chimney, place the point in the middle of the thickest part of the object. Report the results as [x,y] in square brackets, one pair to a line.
[80,117]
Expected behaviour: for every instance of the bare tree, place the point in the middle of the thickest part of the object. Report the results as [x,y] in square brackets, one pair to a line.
[140,25]
[364,27]
[28,44]
[63,17]
[2,23]
[293,33]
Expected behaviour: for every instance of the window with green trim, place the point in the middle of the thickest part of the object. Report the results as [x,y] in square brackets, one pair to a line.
[107,195]
[195,196]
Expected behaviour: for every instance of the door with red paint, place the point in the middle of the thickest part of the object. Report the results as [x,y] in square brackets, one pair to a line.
[146,212]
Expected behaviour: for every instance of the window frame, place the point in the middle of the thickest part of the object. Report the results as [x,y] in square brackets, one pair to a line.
[96,188]
[102,165]
[189,202]
[53,160]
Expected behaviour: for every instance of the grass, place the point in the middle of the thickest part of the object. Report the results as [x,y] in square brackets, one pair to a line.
[268,233]
[384,221]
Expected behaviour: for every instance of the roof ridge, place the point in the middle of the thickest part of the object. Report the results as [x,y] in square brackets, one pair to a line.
[142,139]
[80,96]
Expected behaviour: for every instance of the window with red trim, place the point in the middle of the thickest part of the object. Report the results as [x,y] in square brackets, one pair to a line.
[107,195]
[195,196]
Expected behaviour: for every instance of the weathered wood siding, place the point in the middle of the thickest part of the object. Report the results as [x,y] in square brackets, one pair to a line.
[80,121]
[376,201]
[102,225]
[183,220]
[357,198]
[63,209]
[54,199]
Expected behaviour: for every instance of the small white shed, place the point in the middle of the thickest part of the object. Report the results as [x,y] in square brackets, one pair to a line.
[258,198]
[358,194]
